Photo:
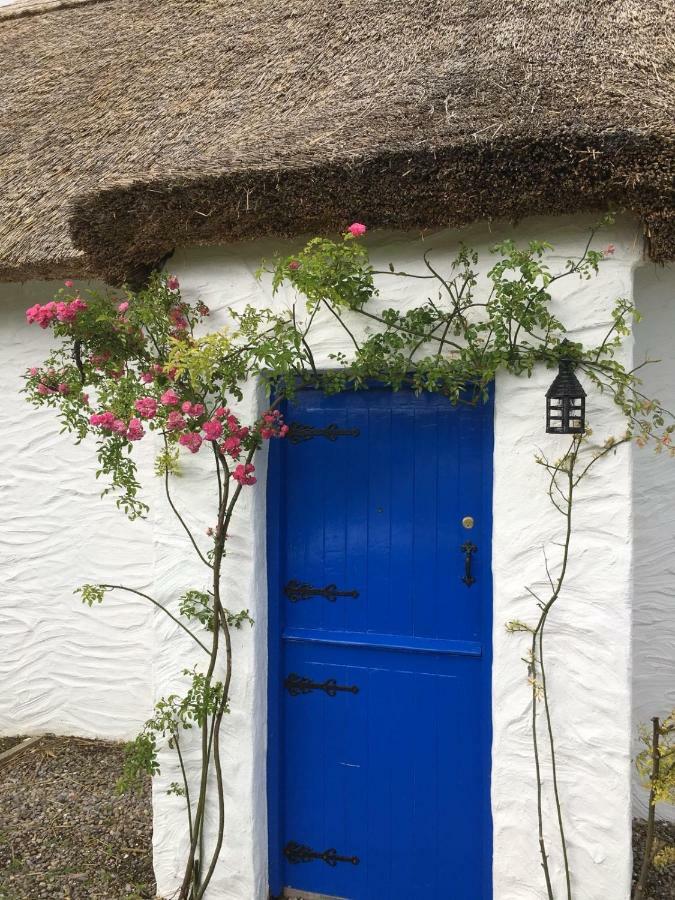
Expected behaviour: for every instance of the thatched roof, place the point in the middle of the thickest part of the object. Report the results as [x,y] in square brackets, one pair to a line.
[128,128]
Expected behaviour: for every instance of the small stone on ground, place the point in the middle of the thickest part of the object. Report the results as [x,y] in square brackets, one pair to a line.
[64,831]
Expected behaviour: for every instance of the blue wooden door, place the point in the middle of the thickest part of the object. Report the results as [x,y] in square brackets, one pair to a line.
[379,754]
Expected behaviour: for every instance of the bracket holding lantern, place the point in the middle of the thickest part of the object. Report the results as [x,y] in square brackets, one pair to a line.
[565,399]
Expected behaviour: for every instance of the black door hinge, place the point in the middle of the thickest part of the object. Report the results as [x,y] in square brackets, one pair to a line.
[300,853]
[300,684]
[297,432]
[300,590]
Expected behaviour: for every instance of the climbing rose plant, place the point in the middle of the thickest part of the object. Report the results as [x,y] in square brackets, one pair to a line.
[142,365]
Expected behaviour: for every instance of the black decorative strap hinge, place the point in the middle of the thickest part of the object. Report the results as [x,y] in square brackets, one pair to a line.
[300,684]
[300,853]
[300,590]
[297,432]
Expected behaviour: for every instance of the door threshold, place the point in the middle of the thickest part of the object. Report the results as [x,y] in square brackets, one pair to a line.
[294,894]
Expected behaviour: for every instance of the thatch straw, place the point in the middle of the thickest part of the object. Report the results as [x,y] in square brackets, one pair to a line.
[127,129]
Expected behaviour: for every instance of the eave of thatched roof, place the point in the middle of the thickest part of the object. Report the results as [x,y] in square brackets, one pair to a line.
[130,128]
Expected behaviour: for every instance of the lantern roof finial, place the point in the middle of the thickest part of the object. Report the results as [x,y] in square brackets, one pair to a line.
[566,383]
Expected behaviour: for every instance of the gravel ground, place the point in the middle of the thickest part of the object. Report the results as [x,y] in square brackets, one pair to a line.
[661,885]
[65,833]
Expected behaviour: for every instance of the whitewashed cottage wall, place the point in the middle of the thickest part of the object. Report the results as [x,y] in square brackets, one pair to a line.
[63,667]
[654,501]
[76,670]
[590,634]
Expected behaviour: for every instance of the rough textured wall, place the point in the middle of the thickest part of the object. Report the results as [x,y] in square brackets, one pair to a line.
[589,635]
[63,667]
[242,873]
[654,502]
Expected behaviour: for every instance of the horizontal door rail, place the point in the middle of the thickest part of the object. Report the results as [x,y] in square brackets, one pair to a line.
[396,642]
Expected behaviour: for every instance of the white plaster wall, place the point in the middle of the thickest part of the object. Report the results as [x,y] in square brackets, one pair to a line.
[654,502]
[64,667]
[589,633]
[588,653]
[242,872]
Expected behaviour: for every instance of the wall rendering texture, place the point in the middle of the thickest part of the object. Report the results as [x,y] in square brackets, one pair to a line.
[654,499]
[63,667]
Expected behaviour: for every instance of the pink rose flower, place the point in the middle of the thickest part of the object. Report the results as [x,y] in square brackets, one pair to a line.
[123,307]
[68,283]
[231,446]
[213,430]
[191,440]
[146,407]
[172,283]
[178,319]
[135,431]
[103,420]
[220,412]
[67,312]
[294,265]
[244,474]
[272,425]
[357,229]
[174,421]
[32,313]
[147,377]
[43,315]
[33,371]
[64,313]
[119,427]
[63,389]
[193,409]
[169,398]
[43,389]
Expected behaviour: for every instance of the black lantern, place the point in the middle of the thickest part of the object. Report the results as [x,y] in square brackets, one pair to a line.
[565,400]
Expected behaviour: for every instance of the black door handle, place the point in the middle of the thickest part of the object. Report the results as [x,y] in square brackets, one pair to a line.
[468,549]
